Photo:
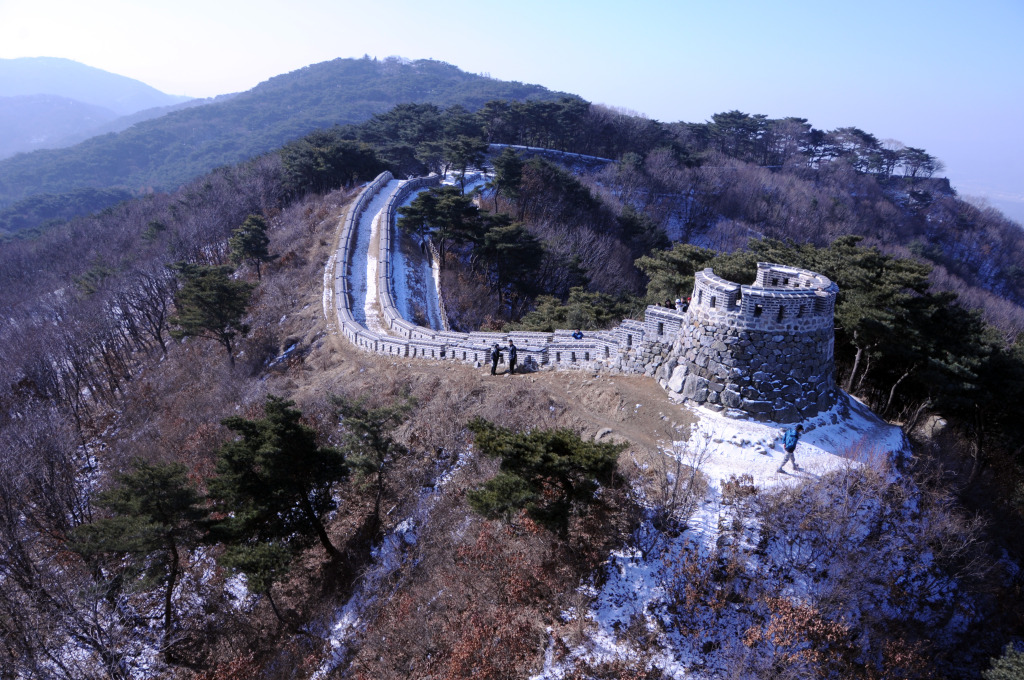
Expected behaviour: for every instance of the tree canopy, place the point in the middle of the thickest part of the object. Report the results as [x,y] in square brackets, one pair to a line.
[274,483]
[325,160]
[549,474]
[210,304]
[443,214]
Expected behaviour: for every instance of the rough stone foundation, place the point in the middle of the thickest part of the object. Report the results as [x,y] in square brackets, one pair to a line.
[765,350]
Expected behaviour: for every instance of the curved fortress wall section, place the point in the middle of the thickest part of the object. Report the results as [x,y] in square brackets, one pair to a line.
[764,349]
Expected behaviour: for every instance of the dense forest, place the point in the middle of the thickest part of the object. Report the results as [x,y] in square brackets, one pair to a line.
[175,446]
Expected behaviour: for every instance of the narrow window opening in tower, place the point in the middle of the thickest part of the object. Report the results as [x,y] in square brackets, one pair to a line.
[661,328]
[782,313]
[775,282]
[713,300]
[802,311]
[758,309]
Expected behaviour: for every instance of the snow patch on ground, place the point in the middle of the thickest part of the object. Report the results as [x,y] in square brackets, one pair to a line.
[359,279]
[847,432]
[371,305]
[388,556]
[639,577]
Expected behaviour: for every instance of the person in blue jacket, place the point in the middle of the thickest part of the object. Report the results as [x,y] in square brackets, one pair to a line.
[789,441]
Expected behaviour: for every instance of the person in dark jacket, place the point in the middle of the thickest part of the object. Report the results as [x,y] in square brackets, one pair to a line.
[495,358]
[577,334]
[512,356]
[789,441]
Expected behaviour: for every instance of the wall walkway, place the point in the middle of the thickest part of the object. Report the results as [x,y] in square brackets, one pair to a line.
[665,345]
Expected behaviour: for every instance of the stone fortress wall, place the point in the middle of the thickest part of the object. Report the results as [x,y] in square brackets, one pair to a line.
[762,351]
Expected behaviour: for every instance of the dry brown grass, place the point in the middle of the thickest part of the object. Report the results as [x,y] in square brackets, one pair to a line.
[486,590]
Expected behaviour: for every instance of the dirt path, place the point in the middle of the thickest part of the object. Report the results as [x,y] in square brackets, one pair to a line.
[626,408]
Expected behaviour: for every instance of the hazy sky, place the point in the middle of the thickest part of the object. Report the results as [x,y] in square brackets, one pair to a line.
[937,74]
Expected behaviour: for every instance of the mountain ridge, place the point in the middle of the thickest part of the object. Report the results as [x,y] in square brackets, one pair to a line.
[166,152]
[84,83]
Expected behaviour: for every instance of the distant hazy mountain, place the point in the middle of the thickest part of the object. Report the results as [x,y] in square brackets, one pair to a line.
[43,121]
[48,103]
[40,121]
[70,79]
[165,152]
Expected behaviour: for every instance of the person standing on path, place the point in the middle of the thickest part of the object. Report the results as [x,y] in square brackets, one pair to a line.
[789,441]
[512,356]
[495,358]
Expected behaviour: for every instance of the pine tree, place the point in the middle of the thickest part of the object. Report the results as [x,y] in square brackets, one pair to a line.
[250,243]
[444,214]
[370,444]
[210,304]
[157,515]
[275,484]
[508,176]
[551,474]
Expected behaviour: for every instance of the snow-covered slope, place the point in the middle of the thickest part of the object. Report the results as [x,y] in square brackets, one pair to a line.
[755,569]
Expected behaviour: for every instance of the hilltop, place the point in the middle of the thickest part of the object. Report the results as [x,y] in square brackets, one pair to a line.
[163,153]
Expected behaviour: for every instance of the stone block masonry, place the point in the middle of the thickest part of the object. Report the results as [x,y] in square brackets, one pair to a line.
[763,351]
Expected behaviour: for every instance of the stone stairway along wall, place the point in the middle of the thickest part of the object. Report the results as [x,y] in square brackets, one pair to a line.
[763,351]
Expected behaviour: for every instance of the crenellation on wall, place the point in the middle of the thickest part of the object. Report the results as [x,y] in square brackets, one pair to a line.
[763,351]
[767,351]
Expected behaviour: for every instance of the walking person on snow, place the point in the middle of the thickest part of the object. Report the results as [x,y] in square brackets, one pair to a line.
[789,441]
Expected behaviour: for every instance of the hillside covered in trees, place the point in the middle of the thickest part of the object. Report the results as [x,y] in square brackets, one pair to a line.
[210,484]
[163,153]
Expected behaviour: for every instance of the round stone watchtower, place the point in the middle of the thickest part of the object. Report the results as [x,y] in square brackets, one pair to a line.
[763,351]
